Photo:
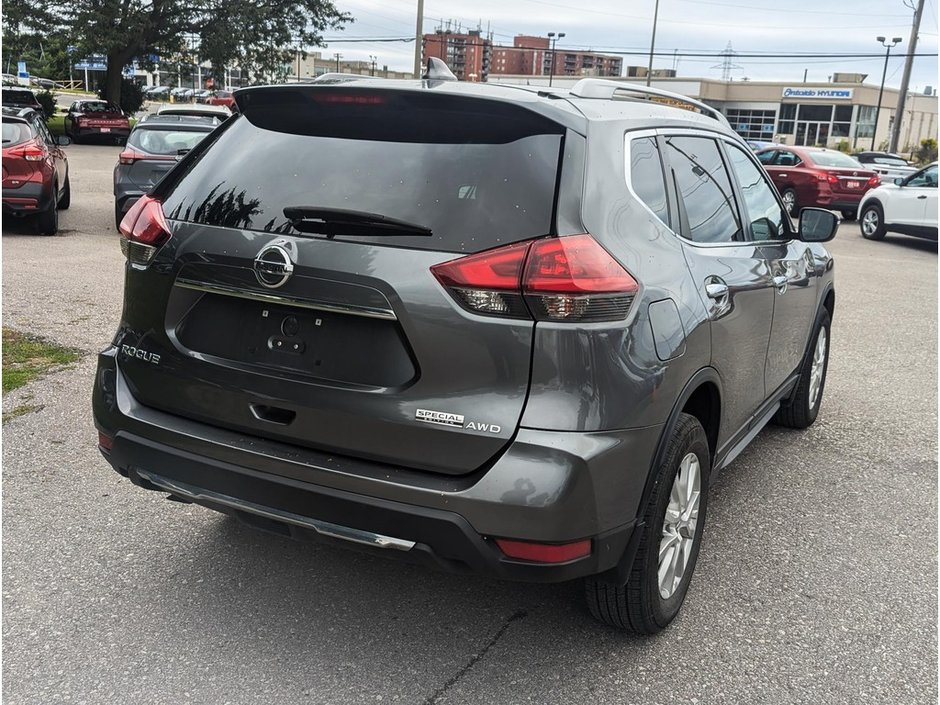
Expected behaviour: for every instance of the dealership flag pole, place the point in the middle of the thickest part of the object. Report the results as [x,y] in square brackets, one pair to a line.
[905,79]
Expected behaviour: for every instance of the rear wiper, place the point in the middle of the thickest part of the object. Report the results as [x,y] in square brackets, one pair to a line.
[339,221]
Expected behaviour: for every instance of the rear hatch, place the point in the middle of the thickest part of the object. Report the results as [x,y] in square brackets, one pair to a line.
[296,293]
[152,150]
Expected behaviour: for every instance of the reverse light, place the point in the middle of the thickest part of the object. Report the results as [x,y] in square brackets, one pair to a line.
[568,278]
[544,552]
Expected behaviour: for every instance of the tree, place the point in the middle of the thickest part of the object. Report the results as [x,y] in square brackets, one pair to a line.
[256,34]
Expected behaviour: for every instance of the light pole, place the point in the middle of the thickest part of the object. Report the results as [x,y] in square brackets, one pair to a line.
[337,56]
[649,71]
[894,42]
[551,67]
[373,60]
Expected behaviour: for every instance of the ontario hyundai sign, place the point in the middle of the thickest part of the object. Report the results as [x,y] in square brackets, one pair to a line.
[817,93]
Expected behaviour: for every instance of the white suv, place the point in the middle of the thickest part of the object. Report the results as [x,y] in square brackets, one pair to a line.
[907,206]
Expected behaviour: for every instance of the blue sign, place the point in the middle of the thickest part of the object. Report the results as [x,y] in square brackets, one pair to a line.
[21,71]
[95,62]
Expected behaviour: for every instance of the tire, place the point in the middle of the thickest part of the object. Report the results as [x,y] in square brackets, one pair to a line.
[872,222]
[65,200]
[848,215]
[789,202]
[801,411]
[639,606]
[47,222]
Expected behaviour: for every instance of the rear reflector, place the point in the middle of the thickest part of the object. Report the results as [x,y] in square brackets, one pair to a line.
[568,278]
[105,442]
[544,552]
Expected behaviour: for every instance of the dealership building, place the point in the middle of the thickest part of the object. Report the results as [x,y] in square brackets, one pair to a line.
[823,114]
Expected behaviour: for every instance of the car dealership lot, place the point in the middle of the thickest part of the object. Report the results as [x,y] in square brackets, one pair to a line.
[817,582]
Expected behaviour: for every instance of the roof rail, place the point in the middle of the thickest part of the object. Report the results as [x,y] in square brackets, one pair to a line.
[607,90]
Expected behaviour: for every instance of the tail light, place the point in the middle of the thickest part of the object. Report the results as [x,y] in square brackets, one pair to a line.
[831,178]
[31,152]
[544,552]
[129,156]
[874,181]
[568,278]
[145,230]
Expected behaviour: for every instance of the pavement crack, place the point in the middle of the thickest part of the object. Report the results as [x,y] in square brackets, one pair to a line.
[436,695]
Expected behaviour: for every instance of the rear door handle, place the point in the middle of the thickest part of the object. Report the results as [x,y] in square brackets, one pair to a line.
[920,197]
[717,290]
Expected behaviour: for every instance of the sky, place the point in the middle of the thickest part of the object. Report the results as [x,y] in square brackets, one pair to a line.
[694,26]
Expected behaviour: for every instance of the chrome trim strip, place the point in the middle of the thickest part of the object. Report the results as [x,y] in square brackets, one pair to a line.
[324,528]
[383,313]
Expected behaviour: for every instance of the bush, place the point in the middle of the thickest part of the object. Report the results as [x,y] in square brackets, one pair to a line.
[132,95]
[927,151]
[843,146]
[46,99]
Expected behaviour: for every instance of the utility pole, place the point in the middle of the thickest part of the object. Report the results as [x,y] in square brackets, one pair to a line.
[419,33]
[649,71]
[905,78]
[337,56]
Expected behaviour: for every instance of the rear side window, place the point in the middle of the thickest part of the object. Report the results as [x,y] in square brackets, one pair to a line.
[706,200]
[165,141]
[786,159]
[15,133]
[646,176]
[768,221]
[477,173]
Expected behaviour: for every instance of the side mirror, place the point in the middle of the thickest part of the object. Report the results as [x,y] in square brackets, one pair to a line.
[898,181]
[63,140]
[817,225]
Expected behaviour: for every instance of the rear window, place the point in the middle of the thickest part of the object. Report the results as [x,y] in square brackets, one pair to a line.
[19,97]
[165,141]
[99,106]
[836,159]
[15,133]
[477,173]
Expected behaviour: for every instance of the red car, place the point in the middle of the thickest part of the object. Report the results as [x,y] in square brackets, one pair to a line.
[35,170]
[813,176]
[222,98]
[96,118]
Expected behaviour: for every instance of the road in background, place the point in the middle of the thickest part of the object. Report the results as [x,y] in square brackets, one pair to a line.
[816,582]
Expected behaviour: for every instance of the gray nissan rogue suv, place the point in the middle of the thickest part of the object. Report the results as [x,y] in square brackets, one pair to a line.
[496,329]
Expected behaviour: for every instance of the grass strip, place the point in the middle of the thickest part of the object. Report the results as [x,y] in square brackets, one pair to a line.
[26,358]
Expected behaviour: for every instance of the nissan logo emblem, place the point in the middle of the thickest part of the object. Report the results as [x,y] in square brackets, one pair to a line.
[273,267]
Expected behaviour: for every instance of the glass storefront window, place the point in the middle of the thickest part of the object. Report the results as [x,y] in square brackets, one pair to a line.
[816,113]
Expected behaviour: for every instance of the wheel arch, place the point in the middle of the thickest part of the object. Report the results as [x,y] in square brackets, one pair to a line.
[700,397]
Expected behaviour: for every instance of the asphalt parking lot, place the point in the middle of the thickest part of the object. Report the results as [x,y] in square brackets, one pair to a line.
[817,581]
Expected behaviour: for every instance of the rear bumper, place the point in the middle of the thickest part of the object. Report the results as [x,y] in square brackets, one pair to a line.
[546,487]
[27,199]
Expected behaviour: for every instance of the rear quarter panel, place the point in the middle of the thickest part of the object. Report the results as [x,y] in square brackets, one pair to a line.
[605,376]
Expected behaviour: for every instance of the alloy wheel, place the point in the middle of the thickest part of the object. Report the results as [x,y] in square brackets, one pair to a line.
[679,524]
[870,222]
[819,365]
